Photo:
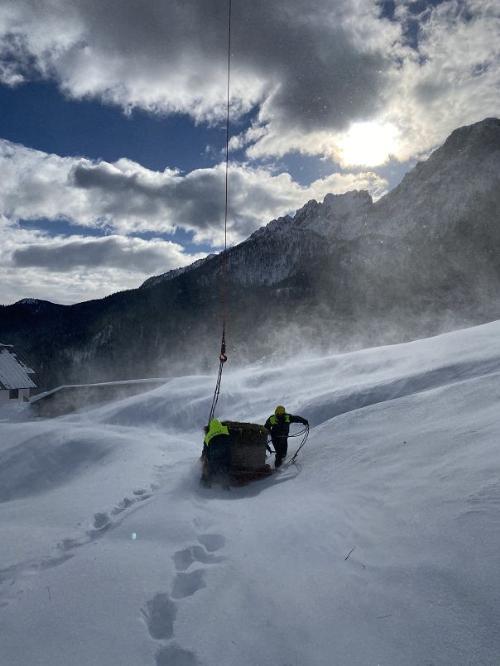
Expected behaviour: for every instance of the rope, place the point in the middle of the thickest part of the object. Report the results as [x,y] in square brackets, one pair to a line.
[305,434]
[222,355]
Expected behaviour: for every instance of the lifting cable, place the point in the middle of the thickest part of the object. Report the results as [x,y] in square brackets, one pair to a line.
[222,355]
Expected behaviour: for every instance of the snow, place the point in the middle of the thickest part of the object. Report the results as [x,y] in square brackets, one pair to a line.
[381,547]
[170,275]
[124,382]
[13,373]
[339,217]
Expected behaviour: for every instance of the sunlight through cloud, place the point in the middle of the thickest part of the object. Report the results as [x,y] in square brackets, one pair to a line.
[367,144]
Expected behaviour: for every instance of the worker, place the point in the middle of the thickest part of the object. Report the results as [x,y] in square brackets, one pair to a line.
[216,454]
[279,425]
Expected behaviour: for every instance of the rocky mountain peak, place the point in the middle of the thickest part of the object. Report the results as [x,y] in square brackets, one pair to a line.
[339,216]
[479,137]
[355,202]
[336,217]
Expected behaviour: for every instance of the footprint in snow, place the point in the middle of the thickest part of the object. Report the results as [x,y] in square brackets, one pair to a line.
[125,503]
[159,616]
[183,559]
[172,655]
[160,612]
[212,542]
[69,544]
[141,494]
[186,584]
[101,522]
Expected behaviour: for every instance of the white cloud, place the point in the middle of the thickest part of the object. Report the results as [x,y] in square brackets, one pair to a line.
[312,72]
[309,69]
[332,79]
[66,269]
[453,79]
[126,198]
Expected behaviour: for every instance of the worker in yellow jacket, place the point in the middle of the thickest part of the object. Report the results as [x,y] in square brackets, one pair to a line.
[216,454]
[278,425]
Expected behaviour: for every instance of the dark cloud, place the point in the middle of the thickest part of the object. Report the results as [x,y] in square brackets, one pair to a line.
[308,69]
[194,201]
[126,198]
[322,78]
[305,60]
[110,252]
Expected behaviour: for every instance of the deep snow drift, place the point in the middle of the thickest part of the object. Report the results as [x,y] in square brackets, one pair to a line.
[381,547]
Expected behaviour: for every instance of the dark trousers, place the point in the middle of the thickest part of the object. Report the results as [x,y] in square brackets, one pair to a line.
[218,460]
[281,447]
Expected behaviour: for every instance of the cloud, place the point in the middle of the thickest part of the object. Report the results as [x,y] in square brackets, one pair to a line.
[131,254]
[452,80]
[125,198]
[332,79]
[310,71]
[307,68]
[122,200]
[67,269]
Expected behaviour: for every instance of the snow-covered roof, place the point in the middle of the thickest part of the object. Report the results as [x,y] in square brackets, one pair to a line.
[13,372]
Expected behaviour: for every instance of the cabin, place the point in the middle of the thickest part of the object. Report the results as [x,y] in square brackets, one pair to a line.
[15,380]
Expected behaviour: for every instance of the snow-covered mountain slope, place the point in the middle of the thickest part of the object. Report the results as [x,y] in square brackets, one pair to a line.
[459,183]
[381,547]
[170,275]
[422,259]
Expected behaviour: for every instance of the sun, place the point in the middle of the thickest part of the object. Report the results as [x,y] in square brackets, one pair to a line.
[367,144]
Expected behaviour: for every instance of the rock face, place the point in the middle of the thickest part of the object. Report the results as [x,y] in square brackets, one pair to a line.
[454,183]
[340,217]
[345,272]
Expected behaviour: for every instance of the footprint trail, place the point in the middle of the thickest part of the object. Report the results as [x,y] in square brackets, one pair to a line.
[160,612]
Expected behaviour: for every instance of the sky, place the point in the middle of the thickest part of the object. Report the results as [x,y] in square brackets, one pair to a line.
[112,122]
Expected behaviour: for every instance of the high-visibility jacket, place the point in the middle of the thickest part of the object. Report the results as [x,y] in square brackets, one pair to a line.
[214,429]
[279,425]
[274,419]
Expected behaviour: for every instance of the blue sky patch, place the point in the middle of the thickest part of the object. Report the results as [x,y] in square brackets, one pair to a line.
[39,116]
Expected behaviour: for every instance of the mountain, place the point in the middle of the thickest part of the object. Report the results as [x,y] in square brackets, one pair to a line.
[343,273]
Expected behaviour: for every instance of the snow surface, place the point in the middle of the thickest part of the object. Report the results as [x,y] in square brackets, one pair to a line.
[381,547]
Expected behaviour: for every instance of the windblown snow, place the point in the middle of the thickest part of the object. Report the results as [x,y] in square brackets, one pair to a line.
[379,548]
